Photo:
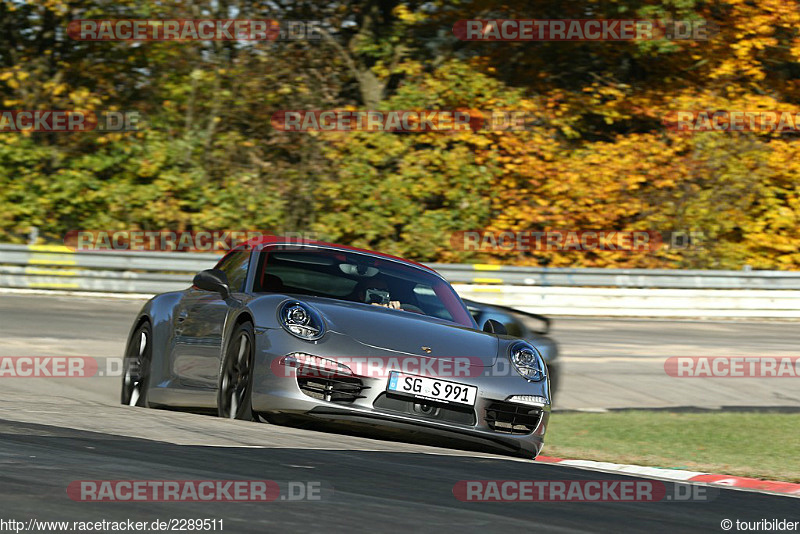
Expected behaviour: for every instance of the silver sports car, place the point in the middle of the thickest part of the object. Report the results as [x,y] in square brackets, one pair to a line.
[308,331]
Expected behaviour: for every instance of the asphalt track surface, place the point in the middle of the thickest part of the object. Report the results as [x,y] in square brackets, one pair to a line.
[56,431]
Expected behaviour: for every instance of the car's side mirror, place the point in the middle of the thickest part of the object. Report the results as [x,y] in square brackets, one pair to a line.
[494,327]
[213,280]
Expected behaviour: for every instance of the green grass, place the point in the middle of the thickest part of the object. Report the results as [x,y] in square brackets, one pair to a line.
[760,445]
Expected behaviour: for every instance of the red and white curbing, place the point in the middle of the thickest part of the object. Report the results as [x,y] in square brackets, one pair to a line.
[727,481]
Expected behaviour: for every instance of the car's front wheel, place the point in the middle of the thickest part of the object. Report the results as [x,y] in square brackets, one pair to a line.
[136,367]
[236,379]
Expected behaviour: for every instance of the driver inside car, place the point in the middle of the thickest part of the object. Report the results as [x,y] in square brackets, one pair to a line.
[376,292]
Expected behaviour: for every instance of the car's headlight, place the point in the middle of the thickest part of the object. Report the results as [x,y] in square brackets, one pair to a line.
[302,320]
[527,361]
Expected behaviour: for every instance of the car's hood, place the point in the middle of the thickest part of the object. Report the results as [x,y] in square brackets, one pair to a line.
[406,332]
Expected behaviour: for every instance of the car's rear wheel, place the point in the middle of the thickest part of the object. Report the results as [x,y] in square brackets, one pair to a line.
[136,367]
[236,379]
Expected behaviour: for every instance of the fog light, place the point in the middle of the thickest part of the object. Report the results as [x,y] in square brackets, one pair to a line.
[532,400]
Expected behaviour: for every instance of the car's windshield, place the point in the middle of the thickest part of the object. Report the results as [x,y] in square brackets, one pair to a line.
[357,277]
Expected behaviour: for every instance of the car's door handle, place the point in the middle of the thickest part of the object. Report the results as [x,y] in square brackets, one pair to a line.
[182,317]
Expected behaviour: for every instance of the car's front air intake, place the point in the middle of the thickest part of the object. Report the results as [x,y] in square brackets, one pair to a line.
[323,378]
[344,389]
[509,418]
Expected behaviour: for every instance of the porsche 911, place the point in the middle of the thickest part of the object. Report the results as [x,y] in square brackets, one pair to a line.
[287,330]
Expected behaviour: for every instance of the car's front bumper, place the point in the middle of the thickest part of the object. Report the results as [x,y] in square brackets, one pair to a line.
[278,394]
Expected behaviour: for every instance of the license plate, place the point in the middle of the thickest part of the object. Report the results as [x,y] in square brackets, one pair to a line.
[422,387]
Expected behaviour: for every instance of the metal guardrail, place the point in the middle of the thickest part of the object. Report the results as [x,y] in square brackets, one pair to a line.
[56,255]
[637,302]
[570,291]
[629,278]
[129,265]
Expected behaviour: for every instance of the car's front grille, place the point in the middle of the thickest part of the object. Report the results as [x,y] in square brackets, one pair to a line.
[335,388]
[451,413]
[509,418]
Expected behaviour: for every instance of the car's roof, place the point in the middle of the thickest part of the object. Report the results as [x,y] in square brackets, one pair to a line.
[278,240]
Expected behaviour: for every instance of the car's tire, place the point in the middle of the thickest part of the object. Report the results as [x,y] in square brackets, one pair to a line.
[235,388]
[136,367]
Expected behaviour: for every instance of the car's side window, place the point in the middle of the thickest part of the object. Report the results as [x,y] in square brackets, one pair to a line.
[430,303]
[234,265]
